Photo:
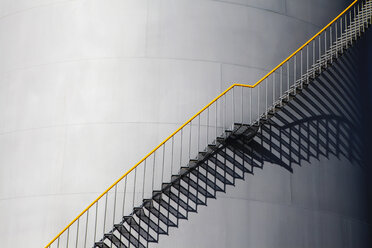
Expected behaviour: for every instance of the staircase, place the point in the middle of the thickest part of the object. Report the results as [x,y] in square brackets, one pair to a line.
[211,150]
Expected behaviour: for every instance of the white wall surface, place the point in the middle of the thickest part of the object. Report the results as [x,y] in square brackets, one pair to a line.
[88,87]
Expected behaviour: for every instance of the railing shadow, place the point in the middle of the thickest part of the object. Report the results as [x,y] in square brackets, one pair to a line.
[325,119]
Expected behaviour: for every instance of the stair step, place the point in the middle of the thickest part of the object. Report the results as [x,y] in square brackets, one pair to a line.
[101,244]
[206,180]
[194,185]
[214,173]
[184,170]
[179,201]
[224,167]
[115,240]
[233,161]
[170,208]
[128,236]
[149,206]
[149,222]
[144,234]
[188,194]
[193,163]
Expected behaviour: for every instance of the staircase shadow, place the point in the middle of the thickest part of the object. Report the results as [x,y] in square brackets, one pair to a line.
[322,121]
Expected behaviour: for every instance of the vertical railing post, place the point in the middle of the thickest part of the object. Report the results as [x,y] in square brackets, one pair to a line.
[95,222]
[337,37]
[115,194]
[242,103]
[281,86]
[190,123]
[224,109]
[266,97]
[162,166]
[144,177]
[86,229]
[216,133]
[320,54]
[104,217]
[325,46]
[287,63]
[68,236]
[273,90]
[233,107]
[294,70]
[77,233]
[250,104]
[313,43]
[258,105]
[198,147]
[207,142]
[330,43]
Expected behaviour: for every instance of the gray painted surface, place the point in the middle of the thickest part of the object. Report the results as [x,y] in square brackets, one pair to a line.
[88,87]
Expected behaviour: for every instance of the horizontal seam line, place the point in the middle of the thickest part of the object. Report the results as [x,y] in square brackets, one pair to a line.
[93,123]
[129,57]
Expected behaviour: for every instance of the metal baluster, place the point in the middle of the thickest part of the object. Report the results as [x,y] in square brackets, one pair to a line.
[258,105]
[207,126]
[86,230]
[250,104]
[225,119]
[307,62]
[68,236]
[181,148]
[287,63]
[162,169]
[104,218]
[124,195]
[295,70]
[95,224]
[113,219]
[58,242]
[342,42]
[355,22]
[301,73]
[266,97]
[359,21]
[242,104]
[330,41]
[153,171]
[351,29]
[233,106]
[336,27]
[325,47]
[281,85]
[320,51]
[347,45]
[313,42]
[144,174]
[172,155]
[77,233]
[198,148]
[273,89]
[216,121]
[190,123]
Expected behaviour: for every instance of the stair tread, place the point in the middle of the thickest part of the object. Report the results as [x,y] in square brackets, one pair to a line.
[149,222]
[128,235]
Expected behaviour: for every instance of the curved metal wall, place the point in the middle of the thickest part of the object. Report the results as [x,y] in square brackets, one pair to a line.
[88,87]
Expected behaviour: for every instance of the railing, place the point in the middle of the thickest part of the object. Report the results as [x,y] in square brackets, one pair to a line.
[239,103]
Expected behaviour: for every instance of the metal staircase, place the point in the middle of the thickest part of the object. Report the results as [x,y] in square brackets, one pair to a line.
[211,150]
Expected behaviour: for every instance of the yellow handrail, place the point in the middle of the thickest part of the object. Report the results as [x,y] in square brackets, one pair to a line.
[200,111]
